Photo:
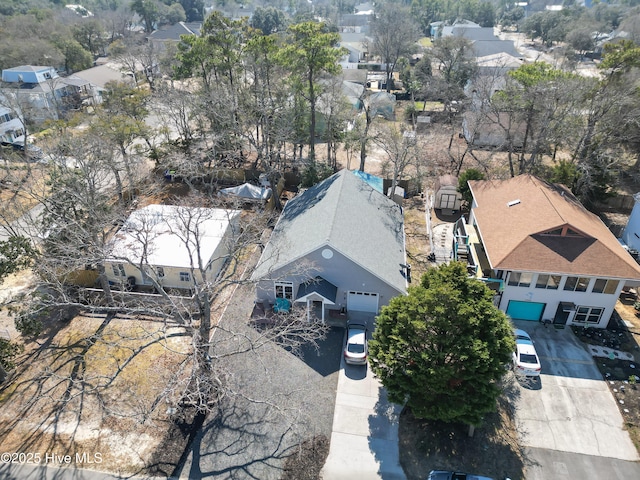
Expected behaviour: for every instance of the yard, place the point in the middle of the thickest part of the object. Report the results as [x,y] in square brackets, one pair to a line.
[94,386]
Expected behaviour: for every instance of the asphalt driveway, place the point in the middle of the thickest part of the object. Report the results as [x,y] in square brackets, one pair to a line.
[569,410]
[277,400]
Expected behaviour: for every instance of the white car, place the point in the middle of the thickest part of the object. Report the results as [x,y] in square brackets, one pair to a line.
[355,351]
[525,358]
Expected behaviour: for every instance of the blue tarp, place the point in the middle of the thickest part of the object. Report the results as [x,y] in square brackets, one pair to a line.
[372,180]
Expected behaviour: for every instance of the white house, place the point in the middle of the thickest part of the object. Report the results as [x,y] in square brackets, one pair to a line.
[11,128]
[168,243]
[547,257]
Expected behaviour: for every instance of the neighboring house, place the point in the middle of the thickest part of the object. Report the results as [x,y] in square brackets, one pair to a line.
[49,95]
[547,257]
[170,240]
[487,129]
[338,246]
[100,75]
[483,39]
[358,46]
[171,34]
[631,233]
[11,128]
[490,76]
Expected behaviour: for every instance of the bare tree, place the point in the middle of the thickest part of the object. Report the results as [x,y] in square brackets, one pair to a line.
[394,36]
[402,148]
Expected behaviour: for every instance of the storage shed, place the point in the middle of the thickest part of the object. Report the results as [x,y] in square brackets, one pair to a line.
[447,198]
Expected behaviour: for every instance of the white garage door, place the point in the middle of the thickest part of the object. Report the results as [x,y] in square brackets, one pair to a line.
[363,302]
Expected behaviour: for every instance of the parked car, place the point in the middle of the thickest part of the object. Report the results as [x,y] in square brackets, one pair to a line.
[32,151]
[355,351]
[525,358]
[444,475]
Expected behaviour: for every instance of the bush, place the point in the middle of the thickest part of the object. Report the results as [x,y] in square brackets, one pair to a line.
[8,353]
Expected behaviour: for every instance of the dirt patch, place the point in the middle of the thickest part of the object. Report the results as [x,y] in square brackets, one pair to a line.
[492,451]
[94,387]
[416,236]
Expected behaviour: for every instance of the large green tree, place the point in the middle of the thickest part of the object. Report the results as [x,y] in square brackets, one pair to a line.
[310,52]
[442,349]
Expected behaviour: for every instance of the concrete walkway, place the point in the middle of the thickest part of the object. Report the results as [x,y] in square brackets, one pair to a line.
[364,441]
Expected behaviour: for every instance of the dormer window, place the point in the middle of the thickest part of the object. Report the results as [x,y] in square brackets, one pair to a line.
[564,231]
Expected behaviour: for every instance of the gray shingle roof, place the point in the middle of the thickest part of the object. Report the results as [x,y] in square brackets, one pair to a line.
[346,213]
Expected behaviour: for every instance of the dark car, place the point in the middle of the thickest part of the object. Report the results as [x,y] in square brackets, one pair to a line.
[32,151]
[355,351]
[444,475]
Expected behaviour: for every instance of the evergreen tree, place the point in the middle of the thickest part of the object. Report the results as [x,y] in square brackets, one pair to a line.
[443,348]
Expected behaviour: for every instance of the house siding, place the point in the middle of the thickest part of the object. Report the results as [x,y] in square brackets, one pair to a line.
[552,298]
[339,270]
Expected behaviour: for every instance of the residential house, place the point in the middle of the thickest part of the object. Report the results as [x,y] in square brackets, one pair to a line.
[489,129]
[171,34]
[48,95]
[357,45]
[483,39]
[100,75]
[11,128]
[166,243]
[337,247]
[545,255]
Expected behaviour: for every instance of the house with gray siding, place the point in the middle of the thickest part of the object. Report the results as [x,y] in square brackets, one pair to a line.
[337,247]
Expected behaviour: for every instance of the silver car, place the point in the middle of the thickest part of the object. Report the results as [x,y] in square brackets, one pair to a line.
[355,351]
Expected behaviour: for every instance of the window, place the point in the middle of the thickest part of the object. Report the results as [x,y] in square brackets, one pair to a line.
[603,285]
[588,314]
[160,271]
[520,279]
[118,269]
[284,290]
[550,282]
[185,277]
[576,284]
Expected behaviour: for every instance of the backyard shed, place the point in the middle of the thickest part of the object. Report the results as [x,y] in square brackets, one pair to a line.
[447,198]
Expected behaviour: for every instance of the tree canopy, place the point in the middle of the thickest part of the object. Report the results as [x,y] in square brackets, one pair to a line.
[443,348]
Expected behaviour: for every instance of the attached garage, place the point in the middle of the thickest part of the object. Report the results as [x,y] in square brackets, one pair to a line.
[525,310]
[363,302]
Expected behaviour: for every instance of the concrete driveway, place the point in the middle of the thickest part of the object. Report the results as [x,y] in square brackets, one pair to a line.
[569,408]
[364,441]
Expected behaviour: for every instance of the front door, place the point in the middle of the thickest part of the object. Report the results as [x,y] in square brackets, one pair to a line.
[562,315]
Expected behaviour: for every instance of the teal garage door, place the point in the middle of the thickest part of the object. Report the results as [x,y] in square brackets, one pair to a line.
[525,310]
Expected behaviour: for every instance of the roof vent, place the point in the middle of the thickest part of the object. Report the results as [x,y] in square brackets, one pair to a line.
[513,202]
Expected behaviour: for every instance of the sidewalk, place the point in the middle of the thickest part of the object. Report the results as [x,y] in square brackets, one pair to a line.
[364,441]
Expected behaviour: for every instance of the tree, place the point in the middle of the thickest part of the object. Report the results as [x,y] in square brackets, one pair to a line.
[269,20]
[463,185]
[442,349]
[394,36]
[402,149]
[149,11]
[309,53]
[16,253]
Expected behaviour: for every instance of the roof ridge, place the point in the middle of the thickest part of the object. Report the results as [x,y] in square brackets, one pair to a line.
[334,211]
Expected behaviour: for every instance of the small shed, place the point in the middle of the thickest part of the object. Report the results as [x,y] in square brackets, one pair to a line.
[397,196]
[447,198]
